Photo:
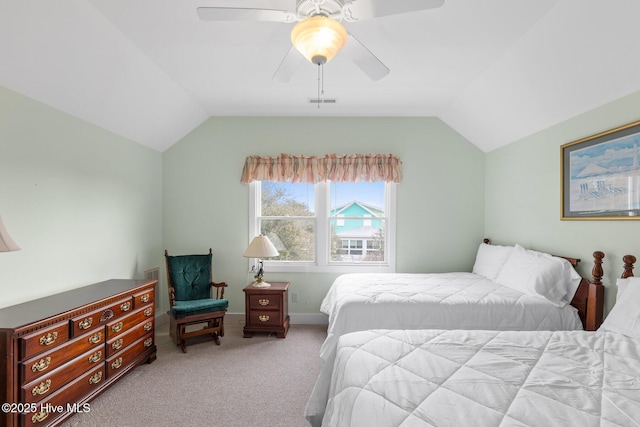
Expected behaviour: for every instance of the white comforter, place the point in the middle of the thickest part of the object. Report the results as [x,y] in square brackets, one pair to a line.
[357,302]
[484,378]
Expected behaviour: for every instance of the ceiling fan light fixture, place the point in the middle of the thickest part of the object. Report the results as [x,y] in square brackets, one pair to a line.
[319,38]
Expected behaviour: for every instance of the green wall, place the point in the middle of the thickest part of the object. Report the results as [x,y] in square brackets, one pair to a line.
[523,196]
[83,204]
[440,202]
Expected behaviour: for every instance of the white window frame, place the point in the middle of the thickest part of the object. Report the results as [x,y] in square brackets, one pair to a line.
[322,263]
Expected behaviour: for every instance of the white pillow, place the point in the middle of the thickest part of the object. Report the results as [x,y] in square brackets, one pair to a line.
[624,318]
[622,284]
[490,259]
[539,274]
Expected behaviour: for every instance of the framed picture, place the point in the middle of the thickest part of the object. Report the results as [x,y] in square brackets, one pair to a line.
[601,175]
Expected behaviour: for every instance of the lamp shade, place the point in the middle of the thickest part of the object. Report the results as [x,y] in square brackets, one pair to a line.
[318,38]
[6,242]
[261,247]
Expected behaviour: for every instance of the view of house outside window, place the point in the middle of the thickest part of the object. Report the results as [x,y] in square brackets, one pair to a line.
[352,215]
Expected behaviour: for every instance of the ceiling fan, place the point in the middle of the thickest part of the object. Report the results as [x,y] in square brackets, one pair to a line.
[319,34]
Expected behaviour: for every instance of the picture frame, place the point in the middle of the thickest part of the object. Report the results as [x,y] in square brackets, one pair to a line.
[601,176]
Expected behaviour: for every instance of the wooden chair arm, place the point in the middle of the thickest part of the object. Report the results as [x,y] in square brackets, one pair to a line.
[219,289]
[172,296]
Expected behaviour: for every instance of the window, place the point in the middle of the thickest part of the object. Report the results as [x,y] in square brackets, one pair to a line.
[326,227]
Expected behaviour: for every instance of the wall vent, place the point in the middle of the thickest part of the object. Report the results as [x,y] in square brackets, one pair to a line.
[322,101]
[153,274]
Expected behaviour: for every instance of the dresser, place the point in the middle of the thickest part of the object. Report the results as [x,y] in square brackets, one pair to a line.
[266,309]
[59,352]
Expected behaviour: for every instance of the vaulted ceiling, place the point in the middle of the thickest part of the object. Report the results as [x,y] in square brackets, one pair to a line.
[150,70]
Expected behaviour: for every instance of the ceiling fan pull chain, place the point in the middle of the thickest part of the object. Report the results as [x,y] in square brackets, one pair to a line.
[319,65]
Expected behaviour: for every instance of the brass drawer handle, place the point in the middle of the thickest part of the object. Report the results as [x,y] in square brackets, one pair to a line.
[125,306]
[39,417]
[263,318]
[42,388]
[95,357]
[41,365]
[145,298]
[263,301]
[148,311]
[49,338]
[116,364]
[117,327]
[148,342]
[96,378]
[117,345]
[148,326]
[86,323]
[95,338]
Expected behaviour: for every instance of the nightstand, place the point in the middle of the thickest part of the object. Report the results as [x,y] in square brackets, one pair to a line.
[266,309]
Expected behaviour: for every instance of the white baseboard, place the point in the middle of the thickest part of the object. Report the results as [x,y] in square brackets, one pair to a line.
[238,318]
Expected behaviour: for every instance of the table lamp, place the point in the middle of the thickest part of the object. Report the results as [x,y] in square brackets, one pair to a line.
[260,247]
[6,242]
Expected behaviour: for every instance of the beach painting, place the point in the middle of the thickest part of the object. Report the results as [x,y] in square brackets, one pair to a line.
[601,175]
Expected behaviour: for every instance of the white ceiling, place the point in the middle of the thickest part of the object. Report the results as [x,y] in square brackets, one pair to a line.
[150,70]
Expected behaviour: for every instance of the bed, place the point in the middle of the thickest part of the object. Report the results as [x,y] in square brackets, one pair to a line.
[509,288]
[490,378]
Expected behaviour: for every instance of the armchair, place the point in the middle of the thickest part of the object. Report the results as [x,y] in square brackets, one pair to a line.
[194,299]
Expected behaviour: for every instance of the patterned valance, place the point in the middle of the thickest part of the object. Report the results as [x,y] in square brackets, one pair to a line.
[331,167]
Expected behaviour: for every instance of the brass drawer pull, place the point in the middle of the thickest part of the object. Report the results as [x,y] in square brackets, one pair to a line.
[39,417]
[95,338]
[117,327]
[95,357]
[117,345]
[116,364]
[125,306]
[148,311]
[263,301]
[96,378]
[49,338]
[42,388]
[41,365]
[263,318]
[148,326]
[148,342]
[145,298]
[86,323]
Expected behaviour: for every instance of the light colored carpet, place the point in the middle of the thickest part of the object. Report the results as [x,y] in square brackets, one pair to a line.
[261,381]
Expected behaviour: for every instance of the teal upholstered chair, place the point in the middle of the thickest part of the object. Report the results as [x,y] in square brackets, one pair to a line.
[194,299]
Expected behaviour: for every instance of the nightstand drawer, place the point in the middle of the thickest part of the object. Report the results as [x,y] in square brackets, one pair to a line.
[265,318]
[265,302]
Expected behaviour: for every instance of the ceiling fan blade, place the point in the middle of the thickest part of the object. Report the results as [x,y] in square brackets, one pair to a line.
[240,14]
[359,10]
[288,66]
[365,59]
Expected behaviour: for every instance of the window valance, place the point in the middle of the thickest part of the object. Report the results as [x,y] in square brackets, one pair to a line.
[331,167]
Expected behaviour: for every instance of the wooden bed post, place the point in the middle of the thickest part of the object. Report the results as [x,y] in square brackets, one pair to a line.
[595,310]
[629,260]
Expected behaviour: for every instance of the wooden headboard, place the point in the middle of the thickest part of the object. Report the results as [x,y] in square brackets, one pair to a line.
[589,298]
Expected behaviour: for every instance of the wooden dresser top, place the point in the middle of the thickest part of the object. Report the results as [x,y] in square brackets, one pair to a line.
[42,308]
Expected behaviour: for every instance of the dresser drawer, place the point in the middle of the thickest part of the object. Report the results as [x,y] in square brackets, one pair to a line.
[143,298]
[97,318]
[46,362]
[121,360]
[121,341]
[266,318]
[264,302]
[48,384]
[72,392]
[44,339]
[121,325]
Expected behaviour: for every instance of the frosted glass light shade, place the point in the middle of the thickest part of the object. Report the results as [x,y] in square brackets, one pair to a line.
[6,242]
[319,38]
[261,247]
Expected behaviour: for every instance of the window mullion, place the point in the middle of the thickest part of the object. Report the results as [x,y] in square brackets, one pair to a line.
[322,223]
